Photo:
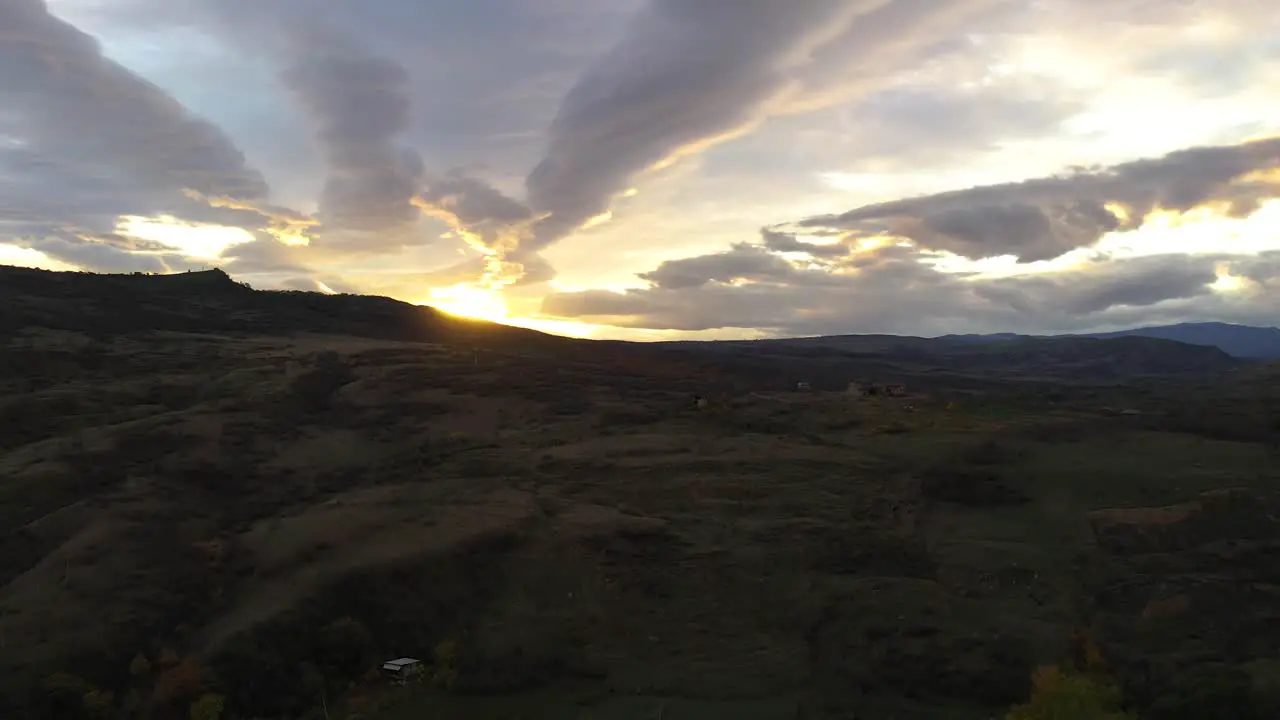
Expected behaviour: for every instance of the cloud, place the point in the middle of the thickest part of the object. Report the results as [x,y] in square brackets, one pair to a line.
[359,104]
[109,254]
[86,141]
[491,220]
[1045,218]
[882,276]
[787,242]
[742,263]
[689,74]
[1135,283]
[888,37]
[889,290]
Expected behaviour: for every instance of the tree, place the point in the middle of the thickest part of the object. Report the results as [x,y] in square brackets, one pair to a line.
[65,696]
[140,667]
[1061,695]
[346,651]
[178,683]
[207,707]
[444,671]
[98,704]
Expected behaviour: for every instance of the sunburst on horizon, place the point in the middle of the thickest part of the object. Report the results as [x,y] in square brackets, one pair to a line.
[476,302]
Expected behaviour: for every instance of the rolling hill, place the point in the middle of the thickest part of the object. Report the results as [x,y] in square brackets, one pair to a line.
[212,496]
[101,306]
[1241,341]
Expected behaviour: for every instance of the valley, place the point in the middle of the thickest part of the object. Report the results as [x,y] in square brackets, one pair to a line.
[214,492]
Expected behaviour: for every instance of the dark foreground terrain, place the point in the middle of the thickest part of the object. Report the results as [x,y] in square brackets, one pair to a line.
[218,503]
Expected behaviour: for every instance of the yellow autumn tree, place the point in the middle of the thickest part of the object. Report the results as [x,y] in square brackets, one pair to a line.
[445,669]
[1057,694]
[207,707]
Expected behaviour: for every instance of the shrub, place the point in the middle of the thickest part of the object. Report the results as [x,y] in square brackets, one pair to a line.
[313,390]
[968,485]
[1057,694]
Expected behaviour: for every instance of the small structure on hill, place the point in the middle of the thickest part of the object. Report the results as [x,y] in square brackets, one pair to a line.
[699,402]
[401,670]
[803,387]
[895,390]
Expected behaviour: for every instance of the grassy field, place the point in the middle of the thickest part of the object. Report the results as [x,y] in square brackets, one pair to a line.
[265,519]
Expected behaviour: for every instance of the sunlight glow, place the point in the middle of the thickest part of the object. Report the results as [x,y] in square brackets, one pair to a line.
[479,303]
[194,240]
[1200,231]
[29,258]
[1228,283]
[598,220]
[467,300]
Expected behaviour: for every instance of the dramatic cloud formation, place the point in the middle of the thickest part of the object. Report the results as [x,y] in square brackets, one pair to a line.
[359,104]
[90,142]
[1045,218]
[356,104]
[888,290]
[688,74]
[916,165]
[882,271]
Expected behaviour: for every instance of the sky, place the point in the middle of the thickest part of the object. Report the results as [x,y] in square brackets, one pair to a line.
[663,169]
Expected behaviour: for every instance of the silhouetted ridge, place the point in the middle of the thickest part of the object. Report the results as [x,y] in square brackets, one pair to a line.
[211,301]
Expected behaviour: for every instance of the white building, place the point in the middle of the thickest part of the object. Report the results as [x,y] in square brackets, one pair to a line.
[400,669]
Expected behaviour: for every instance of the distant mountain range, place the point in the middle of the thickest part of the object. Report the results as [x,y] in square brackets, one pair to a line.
[1242,341]
[106,306]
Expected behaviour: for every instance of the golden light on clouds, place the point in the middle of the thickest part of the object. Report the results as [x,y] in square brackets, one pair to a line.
[1226,282]
[598,220]
[1202,230]
[1205,230]
[1119,211]
[29,258]
[194,240]
[289,228]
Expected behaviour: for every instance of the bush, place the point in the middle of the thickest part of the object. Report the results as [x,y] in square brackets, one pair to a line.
[968,485]
[1057,694]
[1210,693]
[313,390]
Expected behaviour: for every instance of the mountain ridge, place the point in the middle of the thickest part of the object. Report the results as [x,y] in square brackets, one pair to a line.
[211,302]
[1241,341]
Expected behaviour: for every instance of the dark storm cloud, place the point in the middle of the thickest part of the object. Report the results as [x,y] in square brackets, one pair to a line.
[89,140]
[1045,218]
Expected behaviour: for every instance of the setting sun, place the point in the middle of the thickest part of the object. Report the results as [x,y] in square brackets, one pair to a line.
[469,301]
[480,303]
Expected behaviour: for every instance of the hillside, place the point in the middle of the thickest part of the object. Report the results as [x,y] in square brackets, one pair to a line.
[1241,341]
[212,492]
[1237,340]
[211,302]
[1061,359]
